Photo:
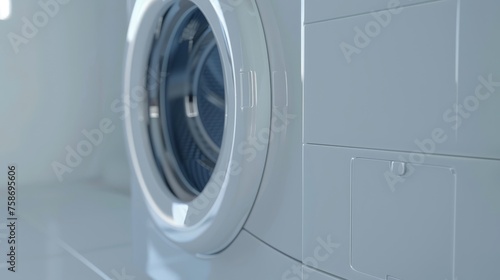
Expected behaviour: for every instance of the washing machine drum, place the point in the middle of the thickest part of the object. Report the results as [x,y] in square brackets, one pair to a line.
[198,95]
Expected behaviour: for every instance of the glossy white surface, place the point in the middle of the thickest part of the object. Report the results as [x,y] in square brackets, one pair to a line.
[382,99]
[247,258]
[478,57]
[441,212]
[393,91]
[72,231]
[276,216]
[210,222]
[388,81]
[401,140]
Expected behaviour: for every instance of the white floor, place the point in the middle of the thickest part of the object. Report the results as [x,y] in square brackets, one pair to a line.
[77,231]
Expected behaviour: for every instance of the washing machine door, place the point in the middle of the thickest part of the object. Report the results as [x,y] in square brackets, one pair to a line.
[198,113]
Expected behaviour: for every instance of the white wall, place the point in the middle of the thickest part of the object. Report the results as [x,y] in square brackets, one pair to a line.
[61,81]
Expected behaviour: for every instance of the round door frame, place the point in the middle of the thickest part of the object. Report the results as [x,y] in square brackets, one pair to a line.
[209,223]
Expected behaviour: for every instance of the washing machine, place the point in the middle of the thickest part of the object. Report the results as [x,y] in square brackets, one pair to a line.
[314,139]
[214,129]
